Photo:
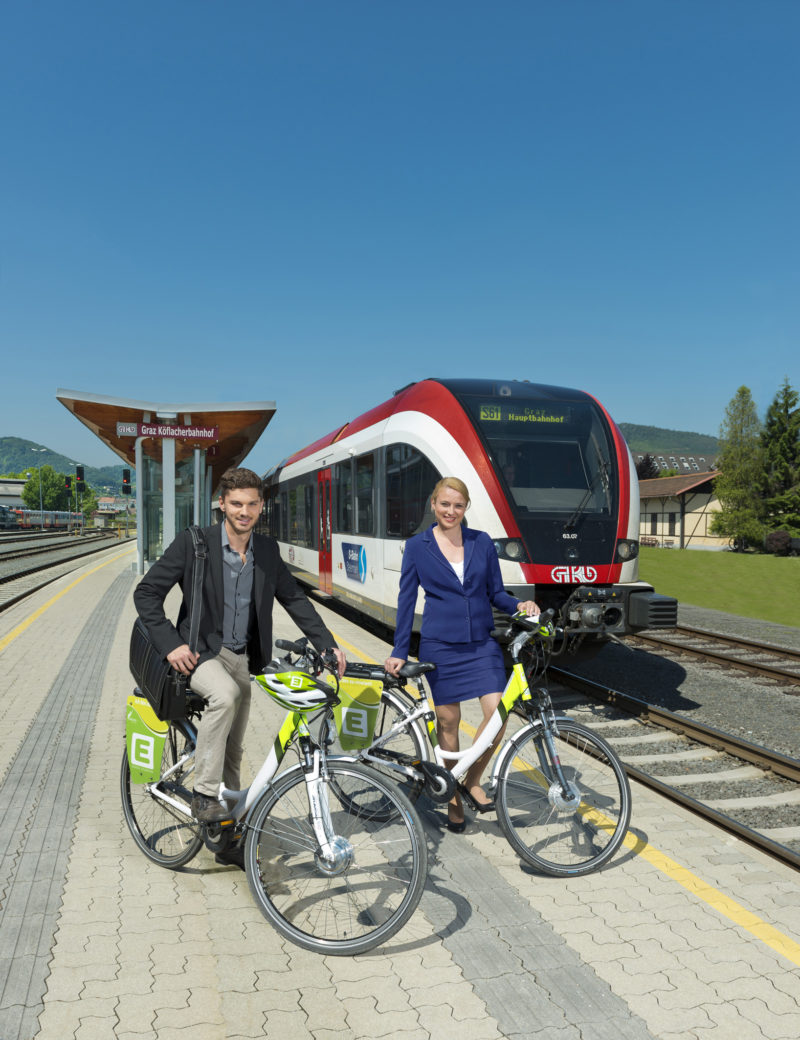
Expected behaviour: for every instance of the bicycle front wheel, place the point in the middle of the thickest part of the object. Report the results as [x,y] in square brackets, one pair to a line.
[355,897]
[163,833]
[563,830]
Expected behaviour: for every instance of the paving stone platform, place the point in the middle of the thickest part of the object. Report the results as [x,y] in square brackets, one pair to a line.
[687,935]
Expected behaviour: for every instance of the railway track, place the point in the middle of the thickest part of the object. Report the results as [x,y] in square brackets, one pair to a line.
[773,662]
[22,575]
[23,549]
[743,787]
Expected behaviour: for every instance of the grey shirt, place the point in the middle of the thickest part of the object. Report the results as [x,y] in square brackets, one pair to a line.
[237,591]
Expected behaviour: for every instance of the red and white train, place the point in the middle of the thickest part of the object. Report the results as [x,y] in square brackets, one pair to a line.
[550,478]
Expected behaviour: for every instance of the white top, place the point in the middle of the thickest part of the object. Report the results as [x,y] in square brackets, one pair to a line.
[459,569]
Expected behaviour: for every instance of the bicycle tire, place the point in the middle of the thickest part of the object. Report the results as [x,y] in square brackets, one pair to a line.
[163,834]
[557,836]
[411,741]
[364,901]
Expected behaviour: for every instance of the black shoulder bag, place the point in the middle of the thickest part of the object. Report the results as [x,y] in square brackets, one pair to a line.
[163,686]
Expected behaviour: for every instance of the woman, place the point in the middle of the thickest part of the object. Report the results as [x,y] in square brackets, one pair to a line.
[458,569]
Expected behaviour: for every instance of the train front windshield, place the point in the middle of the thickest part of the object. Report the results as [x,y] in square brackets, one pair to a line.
[557,463]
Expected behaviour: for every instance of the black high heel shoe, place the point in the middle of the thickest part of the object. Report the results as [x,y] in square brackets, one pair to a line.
[478,807]
[456,826]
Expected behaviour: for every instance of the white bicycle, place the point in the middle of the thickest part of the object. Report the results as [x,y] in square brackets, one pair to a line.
[334,853]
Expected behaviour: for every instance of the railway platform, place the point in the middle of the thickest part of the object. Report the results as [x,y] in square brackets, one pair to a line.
[688,934]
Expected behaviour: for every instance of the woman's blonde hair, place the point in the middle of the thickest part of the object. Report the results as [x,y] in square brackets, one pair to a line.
[455,484]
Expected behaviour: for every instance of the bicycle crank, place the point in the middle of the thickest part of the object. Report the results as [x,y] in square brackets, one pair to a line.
[440,784]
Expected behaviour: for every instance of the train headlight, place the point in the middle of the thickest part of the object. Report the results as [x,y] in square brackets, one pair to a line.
[627,549]
[511,549]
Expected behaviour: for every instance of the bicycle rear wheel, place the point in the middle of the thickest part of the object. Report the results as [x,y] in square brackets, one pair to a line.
[563,833]
[162,832]
[357,900]
[409,742]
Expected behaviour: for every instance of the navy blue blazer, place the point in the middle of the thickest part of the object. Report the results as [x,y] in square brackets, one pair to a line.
[454,613]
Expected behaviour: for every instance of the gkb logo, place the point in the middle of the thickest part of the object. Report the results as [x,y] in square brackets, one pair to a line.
[355,561]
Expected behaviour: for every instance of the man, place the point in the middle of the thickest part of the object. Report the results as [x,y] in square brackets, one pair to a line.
[243,575]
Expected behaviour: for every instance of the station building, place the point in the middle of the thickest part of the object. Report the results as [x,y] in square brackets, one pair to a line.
[178,450]
[676,512]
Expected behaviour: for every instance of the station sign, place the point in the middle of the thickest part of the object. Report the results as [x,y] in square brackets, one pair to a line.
[188,433]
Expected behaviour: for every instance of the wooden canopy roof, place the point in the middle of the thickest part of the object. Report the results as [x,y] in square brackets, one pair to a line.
[239,425]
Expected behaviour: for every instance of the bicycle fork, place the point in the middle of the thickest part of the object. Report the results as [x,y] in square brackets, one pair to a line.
[334,854]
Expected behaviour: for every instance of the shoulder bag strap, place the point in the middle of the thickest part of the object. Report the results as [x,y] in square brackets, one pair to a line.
[200,554]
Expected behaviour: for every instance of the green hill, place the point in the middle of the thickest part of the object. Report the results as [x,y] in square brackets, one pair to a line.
[16,457]
[654,440]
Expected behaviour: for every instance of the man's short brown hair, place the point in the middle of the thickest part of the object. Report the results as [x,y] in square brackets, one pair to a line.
[238,478]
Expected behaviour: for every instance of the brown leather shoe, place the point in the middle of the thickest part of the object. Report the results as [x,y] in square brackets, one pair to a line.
[208,810]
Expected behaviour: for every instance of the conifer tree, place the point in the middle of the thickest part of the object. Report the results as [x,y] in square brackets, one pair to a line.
[740,478]
[781,444]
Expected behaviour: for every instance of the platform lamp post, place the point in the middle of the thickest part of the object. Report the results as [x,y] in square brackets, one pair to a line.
[41,507]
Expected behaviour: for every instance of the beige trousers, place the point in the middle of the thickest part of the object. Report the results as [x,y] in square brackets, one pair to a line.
[224,681]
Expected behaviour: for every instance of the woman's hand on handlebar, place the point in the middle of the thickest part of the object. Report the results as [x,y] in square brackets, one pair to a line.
[528,607]
[394,664]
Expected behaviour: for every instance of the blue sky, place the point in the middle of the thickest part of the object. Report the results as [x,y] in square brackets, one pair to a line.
[318,202]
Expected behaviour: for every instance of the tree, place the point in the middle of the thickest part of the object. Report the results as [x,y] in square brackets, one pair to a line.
[781,444]
[740,474]
[647,468]
[53,495]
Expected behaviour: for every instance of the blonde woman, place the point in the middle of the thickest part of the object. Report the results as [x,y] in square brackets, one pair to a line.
[458,569]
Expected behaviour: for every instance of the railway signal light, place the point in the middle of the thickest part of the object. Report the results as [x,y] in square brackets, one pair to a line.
[79,478]
[126,482]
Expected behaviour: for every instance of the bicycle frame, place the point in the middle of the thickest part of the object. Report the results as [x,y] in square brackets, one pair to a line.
[517,688]
[295,724]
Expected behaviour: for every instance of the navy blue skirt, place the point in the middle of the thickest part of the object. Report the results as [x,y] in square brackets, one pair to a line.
[463,670]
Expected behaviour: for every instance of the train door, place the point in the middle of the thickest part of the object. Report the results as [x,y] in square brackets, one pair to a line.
[325,527]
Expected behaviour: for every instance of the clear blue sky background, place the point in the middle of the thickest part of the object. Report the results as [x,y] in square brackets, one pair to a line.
[319,202]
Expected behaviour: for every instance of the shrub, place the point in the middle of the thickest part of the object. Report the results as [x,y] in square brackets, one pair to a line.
[778,542]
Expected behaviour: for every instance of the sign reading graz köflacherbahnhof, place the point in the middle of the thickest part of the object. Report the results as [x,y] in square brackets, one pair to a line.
[190,433]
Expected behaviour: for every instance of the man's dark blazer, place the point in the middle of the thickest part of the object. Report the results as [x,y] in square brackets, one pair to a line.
[271,581]
[454,613]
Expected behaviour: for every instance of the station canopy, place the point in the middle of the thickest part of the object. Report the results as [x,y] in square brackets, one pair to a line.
[226,432]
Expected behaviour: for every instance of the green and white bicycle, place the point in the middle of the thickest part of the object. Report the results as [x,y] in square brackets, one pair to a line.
[562,795]
[334,853]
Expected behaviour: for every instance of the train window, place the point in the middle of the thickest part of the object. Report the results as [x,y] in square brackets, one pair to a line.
[302,515]
[343,496]
[410,479]
[555,456]
[365,484]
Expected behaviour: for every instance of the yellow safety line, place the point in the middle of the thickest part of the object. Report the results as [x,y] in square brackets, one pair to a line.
[12,635]
[724,905]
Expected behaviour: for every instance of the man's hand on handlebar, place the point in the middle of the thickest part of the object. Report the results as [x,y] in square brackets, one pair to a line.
[340,659]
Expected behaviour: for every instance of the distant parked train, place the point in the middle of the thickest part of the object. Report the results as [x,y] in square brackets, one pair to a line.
[49,518]
[550,479]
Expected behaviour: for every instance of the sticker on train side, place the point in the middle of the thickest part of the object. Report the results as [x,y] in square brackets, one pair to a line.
[355,561]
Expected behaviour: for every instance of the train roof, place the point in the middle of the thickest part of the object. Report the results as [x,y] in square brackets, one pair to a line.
[431,395]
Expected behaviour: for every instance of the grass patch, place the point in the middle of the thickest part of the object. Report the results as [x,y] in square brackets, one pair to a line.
[747,584]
